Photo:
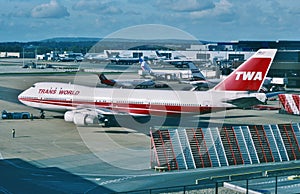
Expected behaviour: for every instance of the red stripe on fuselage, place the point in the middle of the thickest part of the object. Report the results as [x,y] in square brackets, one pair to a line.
[142,109]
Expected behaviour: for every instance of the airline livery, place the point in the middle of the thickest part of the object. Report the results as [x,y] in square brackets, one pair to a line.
[86,105]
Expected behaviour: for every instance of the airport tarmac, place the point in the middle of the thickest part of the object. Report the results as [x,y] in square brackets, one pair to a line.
[52,156]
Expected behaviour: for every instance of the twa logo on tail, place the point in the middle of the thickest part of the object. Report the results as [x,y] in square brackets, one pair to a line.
[250,75]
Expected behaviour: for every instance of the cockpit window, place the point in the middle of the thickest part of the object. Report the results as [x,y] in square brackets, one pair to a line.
[33,85]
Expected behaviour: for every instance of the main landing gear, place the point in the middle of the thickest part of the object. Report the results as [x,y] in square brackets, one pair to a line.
[42,114]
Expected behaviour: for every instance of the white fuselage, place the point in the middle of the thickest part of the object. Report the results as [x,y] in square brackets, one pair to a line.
[62,97]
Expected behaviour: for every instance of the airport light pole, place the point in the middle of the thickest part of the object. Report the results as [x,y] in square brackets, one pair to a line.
[35,53]
[276,184]
[23,57]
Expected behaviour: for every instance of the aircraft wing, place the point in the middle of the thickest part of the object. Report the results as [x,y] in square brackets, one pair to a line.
[107,112]
[95,111]
[91,115]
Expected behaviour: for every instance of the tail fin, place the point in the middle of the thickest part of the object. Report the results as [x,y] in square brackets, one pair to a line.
[158,54]
[196,73]
[145,66]
[250,75]
[102,77]
[107,53]
[106,81]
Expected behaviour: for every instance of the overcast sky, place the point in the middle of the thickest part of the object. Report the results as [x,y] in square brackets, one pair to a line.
[212,20]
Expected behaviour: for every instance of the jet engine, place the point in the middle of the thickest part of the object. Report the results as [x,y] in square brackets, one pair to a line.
[81,118]
[69,116]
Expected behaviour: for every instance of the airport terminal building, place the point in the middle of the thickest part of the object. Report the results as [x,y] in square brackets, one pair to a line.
[286,63]
[204,54]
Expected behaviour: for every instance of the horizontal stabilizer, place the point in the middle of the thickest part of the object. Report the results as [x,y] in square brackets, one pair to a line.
[245,102]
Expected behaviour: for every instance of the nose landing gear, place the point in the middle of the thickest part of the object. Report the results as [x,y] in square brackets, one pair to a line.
[42,114]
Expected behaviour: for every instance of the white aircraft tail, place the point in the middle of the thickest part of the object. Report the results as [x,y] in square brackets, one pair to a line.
[196,73]
[145,66]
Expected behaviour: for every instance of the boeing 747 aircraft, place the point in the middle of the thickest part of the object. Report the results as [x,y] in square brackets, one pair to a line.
[84,105]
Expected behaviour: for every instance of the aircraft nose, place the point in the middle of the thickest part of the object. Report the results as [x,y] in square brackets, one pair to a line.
[21,96]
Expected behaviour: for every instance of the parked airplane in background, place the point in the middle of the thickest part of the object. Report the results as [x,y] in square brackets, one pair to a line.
[274,84]
[196,78]
[159,56]
[199,85]
[123,59]
[134,83]
[85,105]
[176,74]
[146,70]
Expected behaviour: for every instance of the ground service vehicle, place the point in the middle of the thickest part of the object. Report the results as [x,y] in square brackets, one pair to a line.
[15,115]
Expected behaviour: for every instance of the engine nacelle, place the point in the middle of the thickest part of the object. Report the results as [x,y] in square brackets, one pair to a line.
[69,116]
[92,119]
[82,119]
[79,119]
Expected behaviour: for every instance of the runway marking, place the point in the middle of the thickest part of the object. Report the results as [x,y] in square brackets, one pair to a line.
[42,175]
[270,181]
[132,175]
[2,189]
[290,186]
[115,180]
